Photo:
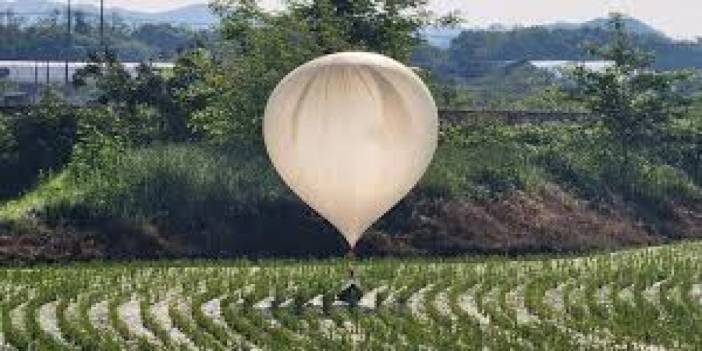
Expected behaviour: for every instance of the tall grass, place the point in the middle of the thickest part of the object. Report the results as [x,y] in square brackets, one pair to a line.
[184,182]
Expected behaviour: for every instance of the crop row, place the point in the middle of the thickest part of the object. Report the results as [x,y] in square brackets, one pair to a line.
[637,300]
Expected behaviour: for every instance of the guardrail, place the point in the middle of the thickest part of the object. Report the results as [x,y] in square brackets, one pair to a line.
[458,116]
[481,116]
[11,110]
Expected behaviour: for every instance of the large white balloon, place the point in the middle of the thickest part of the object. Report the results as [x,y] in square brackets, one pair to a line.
[351,134]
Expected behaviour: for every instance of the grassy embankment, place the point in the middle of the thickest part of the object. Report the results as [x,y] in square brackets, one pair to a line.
[553,187]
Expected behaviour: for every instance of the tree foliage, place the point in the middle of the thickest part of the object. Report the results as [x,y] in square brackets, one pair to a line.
[39,142]
[634,101]
[261,47]
[150,101]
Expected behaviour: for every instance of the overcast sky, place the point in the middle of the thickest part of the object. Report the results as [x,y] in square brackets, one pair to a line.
[678,18]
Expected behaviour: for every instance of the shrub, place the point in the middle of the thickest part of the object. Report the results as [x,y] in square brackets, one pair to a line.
[34,144]
[481,162]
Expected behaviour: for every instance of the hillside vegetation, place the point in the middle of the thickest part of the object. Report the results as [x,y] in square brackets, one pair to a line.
[490,189]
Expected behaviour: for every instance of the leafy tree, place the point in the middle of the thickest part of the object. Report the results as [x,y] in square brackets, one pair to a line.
[112,80]
[389,27]
[552,98]
[148,100]
[38,142]
[685,148]
[7,140]
[167,38]
[634,101]
[102,138]
[262,47]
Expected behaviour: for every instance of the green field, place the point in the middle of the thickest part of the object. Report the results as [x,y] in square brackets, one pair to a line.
[634,300]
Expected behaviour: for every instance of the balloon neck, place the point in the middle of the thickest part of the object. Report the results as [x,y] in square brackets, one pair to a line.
[350,254]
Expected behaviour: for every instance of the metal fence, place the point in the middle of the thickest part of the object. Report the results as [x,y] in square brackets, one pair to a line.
[480,116]
[29,78]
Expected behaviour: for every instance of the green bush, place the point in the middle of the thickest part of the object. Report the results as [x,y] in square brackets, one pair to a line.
[481,162]
[34,144]
[684,147]
[494,160]
[483,171]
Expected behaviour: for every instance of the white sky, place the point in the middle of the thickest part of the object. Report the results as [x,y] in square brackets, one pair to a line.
[678,18]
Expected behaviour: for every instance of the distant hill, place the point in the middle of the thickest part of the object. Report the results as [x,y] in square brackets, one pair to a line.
[632,24]
[441,37]
[199,15]
[477,52]
[194,14]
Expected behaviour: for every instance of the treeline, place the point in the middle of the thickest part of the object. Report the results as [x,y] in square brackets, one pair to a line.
[47,38]
[474,52]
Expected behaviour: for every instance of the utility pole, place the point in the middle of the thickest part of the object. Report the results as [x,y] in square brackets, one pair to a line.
[102,24]
[69,41]
[36,81]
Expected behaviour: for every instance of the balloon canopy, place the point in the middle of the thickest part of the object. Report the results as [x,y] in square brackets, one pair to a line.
[351,134]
